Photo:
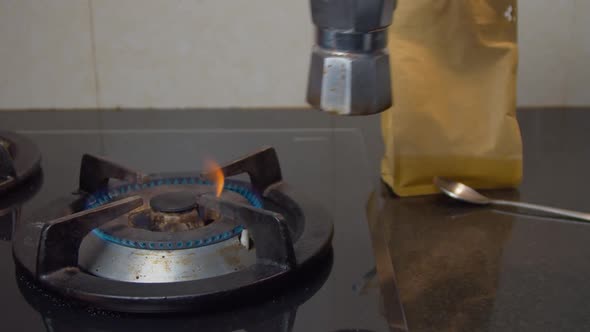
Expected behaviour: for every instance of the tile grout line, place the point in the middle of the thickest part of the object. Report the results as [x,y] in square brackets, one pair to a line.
[93,52]
[570,57]
[96,78]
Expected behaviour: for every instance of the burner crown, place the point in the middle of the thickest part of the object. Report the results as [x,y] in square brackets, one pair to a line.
[173,202]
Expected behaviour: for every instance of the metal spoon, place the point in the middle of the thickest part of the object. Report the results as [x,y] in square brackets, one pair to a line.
[467,194]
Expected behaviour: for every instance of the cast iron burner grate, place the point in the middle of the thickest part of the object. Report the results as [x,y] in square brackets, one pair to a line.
[277,313]
[19,159]
[164,242]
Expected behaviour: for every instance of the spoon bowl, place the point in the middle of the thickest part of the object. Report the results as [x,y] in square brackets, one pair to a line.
[458,190]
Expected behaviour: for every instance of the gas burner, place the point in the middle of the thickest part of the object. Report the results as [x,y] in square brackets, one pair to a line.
[19,159]
[165,242]
[12,201]
[277,313]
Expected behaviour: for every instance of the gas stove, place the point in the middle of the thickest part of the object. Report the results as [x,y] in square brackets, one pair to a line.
[276,314]
[12,202]
[113,236]
[19,159]
[20,177]
[128,241]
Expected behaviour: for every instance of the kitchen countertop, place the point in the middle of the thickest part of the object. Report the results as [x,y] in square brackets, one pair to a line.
[423,263]
[469,268]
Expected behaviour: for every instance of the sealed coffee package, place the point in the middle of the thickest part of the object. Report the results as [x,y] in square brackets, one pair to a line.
[453,66]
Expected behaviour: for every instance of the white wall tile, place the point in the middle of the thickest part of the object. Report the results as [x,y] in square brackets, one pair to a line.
[544,33]
[45,54]
[578,85]
[202,53]
[238,53]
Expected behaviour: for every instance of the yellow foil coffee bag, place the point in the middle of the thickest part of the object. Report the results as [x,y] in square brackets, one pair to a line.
[453,65]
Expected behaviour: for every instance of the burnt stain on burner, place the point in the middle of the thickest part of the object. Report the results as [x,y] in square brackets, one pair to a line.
[187,259]
[135,270]
[163,262]
[180,264]
[145,217]
[230,255]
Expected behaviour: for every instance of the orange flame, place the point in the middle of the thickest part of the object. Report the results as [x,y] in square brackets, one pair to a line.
[215,174]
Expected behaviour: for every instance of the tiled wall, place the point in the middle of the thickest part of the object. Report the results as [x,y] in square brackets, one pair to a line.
[554,39]
[233,53]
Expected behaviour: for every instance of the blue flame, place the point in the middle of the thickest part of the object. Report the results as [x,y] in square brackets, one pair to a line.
[104,197]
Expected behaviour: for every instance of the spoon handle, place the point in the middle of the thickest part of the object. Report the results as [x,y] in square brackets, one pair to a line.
[547,209]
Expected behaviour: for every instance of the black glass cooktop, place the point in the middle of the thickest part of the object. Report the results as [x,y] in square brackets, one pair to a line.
[318,157]
[450,267]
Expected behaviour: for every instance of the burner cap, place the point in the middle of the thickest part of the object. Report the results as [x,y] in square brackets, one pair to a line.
[174,202]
